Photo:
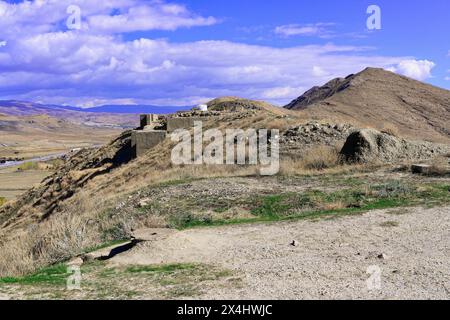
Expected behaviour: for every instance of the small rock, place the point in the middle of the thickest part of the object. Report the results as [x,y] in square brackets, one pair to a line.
[294,243]
[382,256]
[143,203]
[77,261]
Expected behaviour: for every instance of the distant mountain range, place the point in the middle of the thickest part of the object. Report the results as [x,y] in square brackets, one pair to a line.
[14,107]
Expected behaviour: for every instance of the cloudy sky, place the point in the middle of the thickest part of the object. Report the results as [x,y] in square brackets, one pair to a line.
[184,52]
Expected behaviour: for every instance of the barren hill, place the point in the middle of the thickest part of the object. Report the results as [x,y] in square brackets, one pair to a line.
[379,98]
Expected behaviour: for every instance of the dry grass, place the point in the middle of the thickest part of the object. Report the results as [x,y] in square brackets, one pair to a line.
[337,205]
[294,167]
[2,201]
[320,158]
[83,223]
[54,240]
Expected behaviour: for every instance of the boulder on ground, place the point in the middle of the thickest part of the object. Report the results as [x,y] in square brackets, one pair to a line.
[369,145]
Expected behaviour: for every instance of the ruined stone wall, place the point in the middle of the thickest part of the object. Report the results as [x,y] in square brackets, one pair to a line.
[142,141]
[182,123]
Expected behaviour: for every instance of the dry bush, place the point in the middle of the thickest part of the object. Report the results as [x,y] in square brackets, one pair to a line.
[295,167]
[40,245]
[439,166]
[337,205]
[316,159]
[55,240]
[390,129]
[320,158]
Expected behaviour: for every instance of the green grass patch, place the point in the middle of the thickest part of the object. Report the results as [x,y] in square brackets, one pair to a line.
[161,269]
[30,165]
[314,203]
[53,275]
[176,182]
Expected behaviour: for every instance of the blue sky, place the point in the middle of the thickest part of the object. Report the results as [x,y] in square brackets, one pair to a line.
[187,52]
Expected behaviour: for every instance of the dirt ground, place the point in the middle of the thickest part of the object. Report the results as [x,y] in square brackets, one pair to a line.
[333,258]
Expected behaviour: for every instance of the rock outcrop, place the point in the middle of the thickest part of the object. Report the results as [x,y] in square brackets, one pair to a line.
[296,140]
[368,145]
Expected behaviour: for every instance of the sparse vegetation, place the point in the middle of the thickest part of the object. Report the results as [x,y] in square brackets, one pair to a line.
[84,223]
[315,203]
[31,165]
[322,157]
[388,224]
[99,281]
[2,201]
[168,268]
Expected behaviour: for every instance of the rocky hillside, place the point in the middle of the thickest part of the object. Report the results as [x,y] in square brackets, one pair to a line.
[378,98]
[110,171]
[81,204]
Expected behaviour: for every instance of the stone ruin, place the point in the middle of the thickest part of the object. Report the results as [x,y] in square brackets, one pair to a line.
[148,135]
[154,128]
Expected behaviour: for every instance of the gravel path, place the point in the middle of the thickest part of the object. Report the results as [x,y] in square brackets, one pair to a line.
[409,247]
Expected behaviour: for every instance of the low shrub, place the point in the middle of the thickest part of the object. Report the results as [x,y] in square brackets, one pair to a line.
[321,157]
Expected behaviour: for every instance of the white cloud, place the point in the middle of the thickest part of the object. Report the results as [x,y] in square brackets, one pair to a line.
[281,93]
[317,29]
[97,65]
[319,72]
[42,16]
[159,16]
[416,69]
[71,66]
